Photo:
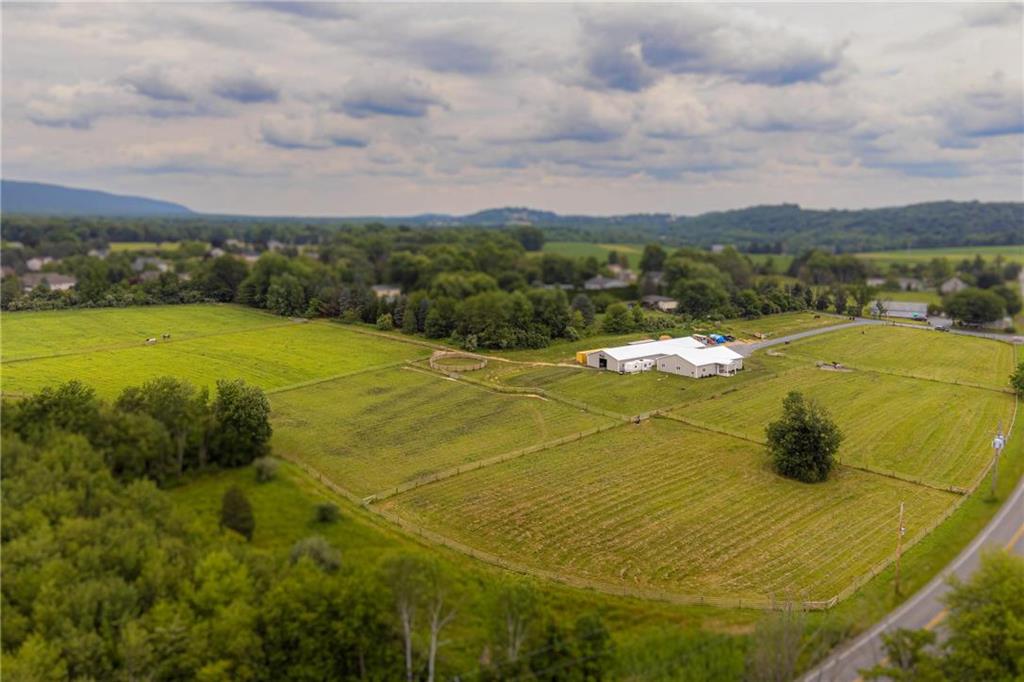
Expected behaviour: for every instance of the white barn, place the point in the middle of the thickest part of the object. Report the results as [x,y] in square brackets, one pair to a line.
[685,356]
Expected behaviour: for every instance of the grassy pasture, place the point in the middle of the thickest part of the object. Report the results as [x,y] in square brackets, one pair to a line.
[922,429]
[375,430]
[911,352]
[51,332]
[598,251]
[912,296]
[954,253]
[664,506]
[272,357]
[779,325]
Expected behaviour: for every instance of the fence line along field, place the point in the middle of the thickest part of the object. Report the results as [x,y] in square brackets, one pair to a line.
[915,353]
[52,332]
[668,507]
[271,358]
[376,430]
[921,429]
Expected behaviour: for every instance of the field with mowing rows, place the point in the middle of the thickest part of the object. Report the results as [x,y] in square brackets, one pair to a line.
[375,430]
[921,429]
[912,352]
[664,506]
[271,358]
[53,332]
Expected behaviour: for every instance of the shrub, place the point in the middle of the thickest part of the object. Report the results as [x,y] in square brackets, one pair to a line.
[236,513]
[319,551]
[266,469]
[327,513]
[385,322]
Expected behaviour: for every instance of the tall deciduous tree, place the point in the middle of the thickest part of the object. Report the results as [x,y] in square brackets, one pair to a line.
[236,513]
[241,414]
[804,441]
[177,404]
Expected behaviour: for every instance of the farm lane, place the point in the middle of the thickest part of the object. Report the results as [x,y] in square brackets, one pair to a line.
[925,608]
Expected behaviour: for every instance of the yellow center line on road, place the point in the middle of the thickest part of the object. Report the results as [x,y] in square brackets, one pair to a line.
[941,615]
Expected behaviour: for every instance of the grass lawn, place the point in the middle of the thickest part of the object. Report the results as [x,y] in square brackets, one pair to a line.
[911,352]
[271,358]
[955,253]
[667,507]
[52,332]
[911,296]
[782,261]
[376,430]
[922,429]
[599,251]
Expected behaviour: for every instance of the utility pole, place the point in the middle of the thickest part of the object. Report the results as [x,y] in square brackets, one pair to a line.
[997,445]
[899,550]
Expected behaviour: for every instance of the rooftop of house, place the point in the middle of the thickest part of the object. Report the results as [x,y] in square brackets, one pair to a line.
[651,348]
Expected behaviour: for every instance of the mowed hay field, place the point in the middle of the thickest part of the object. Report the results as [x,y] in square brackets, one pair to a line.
[662,506]
[779,325]
[924,354]
[375,430]
[271,357]
[52,332]
[598,251]
[925,430]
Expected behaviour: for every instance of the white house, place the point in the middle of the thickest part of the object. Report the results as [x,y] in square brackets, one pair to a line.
[56,282]
[601,283]
[685,356]
[952,286]
[707,361]
[36,264]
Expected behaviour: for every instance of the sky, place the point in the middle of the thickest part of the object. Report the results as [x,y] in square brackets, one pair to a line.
[396,109]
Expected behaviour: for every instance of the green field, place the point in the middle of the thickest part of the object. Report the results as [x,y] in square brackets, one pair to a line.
[37,334]
[913,296]
[920,429]
[666,507]
[598,251]
[272,357]
[778,325]
[377,430]
[956,253]
[923,354]
[144,246]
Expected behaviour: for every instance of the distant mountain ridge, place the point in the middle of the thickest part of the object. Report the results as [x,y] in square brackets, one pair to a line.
[42,198]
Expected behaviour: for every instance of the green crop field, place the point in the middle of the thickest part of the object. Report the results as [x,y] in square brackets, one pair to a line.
[919,353]
[921,429]
[598,251]
[666,507]
[379,429]
[37,334]
[272,357]
[956,253]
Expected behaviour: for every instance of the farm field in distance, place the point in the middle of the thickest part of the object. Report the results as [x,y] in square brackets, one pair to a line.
[271,357]
[144,246]
[1013,252]
[664,507]
[598,251]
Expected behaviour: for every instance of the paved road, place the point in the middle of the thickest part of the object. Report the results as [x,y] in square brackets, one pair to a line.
[925,608]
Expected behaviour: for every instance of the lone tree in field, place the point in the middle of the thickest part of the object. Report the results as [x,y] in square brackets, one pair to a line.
[1017,380]
[804,441]
[236,513]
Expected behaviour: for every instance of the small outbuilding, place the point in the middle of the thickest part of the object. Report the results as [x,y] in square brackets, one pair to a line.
[665,304]
[387,292]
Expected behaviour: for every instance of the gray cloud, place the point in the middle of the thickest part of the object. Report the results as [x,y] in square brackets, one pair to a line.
[405,98]
[155,83]
[246,89]
[309,133]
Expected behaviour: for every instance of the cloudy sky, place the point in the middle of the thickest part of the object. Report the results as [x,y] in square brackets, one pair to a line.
[319,109]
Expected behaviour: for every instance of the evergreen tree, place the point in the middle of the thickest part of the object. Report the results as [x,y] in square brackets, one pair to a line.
[236,513]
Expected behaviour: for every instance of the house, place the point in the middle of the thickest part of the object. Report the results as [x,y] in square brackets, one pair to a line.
[56,282]
[36,264]
[952,286]
[249,256]
[150,276]
[601,283]
[663,303]
[274,245]
[150,263]
[234,243]
[896,283]
[621,273]
[99,253]
[388,292]
[905,309]
[685,356]
[215,252]
[717,248]
[703,362]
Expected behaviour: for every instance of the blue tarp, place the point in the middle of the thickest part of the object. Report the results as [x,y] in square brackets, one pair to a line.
[717,338]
